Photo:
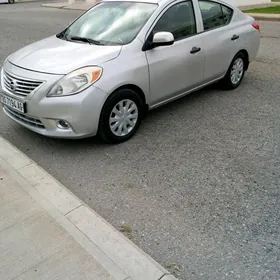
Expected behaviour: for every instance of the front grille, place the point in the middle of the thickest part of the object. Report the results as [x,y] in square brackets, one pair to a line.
[19,86]
[23,118]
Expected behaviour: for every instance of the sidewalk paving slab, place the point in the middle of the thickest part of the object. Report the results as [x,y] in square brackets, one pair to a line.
[33,244]
[46,232]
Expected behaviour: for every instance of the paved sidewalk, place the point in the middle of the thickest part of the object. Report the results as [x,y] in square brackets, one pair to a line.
[260,16]
[82,6]
[67,6]
[48,233]
[267,17]
[256,6]
[25,1]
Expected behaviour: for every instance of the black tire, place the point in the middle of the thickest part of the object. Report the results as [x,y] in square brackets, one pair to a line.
[226,82]
[104,130]
[11,1]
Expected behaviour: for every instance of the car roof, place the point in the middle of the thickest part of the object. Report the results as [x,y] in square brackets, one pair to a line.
[139,1]
[157,1]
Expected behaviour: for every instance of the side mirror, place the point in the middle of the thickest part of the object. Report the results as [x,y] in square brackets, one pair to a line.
[163,39]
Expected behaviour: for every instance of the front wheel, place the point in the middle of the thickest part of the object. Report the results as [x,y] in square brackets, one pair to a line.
[235,72]
[121,116]
[11,1]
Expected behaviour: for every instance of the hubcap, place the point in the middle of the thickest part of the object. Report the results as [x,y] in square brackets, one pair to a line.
[123,117]
[237,71]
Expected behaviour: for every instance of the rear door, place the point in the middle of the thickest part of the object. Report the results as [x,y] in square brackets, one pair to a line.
[218,38]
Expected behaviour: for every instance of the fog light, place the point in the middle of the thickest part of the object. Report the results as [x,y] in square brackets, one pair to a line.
[62,124]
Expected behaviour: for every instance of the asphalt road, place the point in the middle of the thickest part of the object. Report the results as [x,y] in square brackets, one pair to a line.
[198,185]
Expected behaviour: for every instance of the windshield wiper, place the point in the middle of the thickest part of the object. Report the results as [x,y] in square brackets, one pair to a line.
[83,39]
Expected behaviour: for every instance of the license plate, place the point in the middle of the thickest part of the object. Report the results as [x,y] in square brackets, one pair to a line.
[13,103]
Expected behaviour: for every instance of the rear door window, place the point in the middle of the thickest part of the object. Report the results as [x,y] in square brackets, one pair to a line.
[227,13]
[214,14]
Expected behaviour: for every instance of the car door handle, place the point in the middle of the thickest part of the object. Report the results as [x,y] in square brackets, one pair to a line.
[195,50]
[234,37]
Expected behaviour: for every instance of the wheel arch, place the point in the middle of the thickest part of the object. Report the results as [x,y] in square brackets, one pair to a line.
[246,54]
[138,90]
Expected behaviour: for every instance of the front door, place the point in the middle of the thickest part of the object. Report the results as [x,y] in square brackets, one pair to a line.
[177,68]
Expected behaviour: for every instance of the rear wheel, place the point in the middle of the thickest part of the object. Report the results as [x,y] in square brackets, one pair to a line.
[235,72]
[11,1]
[121,116]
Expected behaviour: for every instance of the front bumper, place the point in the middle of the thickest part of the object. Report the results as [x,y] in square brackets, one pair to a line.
[80,111]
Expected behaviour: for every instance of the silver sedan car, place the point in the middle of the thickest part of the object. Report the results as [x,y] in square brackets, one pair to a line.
[7,1]
[105,70]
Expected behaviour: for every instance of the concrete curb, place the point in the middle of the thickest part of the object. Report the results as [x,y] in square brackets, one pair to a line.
[110,248]
[24,1]
[168,277]
[54,5]
[257,6]
[67,6]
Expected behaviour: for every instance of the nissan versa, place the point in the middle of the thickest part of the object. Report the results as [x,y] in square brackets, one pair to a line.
[122,58]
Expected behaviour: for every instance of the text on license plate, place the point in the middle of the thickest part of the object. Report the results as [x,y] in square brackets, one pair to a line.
[12,103]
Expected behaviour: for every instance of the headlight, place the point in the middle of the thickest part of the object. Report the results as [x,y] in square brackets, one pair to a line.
[76,81]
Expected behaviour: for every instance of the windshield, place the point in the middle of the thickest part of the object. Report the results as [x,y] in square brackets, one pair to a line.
[110,23]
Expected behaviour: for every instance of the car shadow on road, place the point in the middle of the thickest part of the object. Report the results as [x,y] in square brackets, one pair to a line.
[187,100]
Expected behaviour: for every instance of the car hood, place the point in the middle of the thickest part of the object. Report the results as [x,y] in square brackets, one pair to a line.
[56,56]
